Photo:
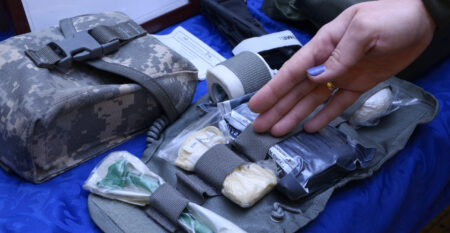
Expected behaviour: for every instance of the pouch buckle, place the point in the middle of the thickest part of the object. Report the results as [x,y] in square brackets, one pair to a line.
[81,46]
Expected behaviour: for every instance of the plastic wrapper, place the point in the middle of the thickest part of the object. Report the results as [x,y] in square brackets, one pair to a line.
[380,104]
[196,144]
[305,162]
[122,176]
[244,186]
[248,183]
[184,152]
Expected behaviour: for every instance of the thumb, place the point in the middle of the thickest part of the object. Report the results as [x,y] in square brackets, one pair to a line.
[349,51]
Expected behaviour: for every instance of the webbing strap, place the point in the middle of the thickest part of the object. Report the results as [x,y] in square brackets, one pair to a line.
[144,80]
[168,202]
[84,45]
[194,188]
[256,145]
[66,27]
[121,31]
[216,163]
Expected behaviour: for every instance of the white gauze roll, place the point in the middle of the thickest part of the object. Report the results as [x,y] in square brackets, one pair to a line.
[373,108]
[244,73]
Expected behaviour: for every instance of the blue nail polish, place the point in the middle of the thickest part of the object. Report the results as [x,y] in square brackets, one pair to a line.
[314,71]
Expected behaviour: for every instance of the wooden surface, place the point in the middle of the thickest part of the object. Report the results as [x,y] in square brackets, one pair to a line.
[440,224]
[172,17]
[20,21]
[4,26]
[18,17]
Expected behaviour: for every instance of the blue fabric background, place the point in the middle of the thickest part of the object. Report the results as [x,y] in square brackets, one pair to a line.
[403,196]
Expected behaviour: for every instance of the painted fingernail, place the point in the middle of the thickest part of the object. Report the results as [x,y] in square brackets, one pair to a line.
[314,71]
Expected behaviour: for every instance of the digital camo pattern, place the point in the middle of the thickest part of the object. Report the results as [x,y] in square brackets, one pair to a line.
[51,121]
[149,56]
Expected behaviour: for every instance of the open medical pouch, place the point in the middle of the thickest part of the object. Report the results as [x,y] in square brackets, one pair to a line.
[73,91]
[275,212]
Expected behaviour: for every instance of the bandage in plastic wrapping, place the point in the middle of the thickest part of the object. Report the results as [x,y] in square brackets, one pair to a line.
[245,185]
[196,145]
[122,176]
[382,103]
[184,152]
[249,183]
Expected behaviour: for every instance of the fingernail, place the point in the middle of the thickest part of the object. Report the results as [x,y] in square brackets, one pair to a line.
[314,71]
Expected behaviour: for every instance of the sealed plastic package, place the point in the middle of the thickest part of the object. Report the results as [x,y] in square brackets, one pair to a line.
[305,162]
[245,185]
[122,176]
[380,104]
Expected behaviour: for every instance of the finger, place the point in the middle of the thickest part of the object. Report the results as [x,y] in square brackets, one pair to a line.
[301,110]
[338,103]
[293,71]
[289,76]
[266,120]
[355,43]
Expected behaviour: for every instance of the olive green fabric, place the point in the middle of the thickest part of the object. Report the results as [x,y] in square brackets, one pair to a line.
[390,136]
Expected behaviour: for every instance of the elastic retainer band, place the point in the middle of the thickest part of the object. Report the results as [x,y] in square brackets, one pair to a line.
[166,206]
[216,164]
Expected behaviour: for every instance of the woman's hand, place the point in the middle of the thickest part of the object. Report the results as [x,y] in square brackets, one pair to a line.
[366,44]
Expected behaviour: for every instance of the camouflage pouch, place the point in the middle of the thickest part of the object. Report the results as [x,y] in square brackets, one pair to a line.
[51,120]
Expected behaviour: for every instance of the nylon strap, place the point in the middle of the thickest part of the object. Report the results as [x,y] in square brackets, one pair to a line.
[216,163]
[84,45]
[123,32]
[256,145]
[168,202]
[107,34]
[144,80]
[66,27]
[194,188]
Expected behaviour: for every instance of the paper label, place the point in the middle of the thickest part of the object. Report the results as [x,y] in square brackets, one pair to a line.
[283,160]
[267,42]
[196,51]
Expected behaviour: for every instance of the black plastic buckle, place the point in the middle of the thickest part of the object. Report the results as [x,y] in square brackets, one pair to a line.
[81,46]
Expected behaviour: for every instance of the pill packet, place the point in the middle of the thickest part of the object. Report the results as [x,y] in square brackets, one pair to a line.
[305,162]
[122,176]
[382,103]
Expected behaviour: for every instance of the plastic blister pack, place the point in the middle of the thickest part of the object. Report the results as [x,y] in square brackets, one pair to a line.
[122,176]
[382,103]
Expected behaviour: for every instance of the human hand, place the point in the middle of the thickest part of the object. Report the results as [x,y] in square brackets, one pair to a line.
[366,44]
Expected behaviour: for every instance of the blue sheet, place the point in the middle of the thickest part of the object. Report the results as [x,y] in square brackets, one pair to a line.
[403,196]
